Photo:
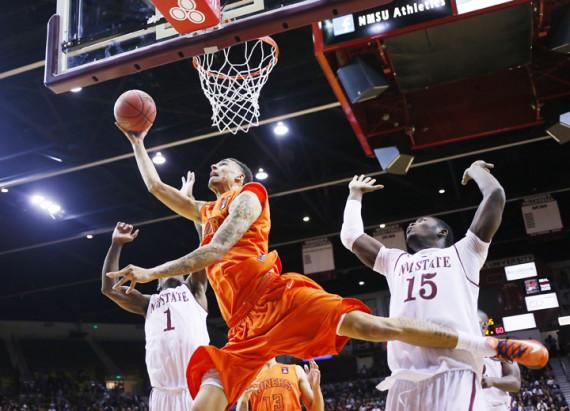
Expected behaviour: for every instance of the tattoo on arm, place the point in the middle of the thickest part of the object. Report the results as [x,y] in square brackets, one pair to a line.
[244,210]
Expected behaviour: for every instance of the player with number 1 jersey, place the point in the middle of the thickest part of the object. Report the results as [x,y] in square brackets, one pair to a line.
[175,325]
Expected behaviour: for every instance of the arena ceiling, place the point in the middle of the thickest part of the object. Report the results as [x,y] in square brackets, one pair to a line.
[51,270]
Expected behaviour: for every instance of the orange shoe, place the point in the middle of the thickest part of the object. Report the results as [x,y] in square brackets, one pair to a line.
[530,353]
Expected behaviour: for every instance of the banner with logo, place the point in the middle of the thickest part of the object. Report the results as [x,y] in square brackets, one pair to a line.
[395,15]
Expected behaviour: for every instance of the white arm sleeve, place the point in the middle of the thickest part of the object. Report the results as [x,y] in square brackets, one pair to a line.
[352,225]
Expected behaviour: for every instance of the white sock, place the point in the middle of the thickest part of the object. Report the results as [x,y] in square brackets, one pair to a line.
[478,345]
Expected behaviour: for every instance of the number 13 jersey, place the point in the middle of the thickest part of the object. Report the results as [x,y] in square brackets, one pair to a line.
[175,326]
[440,285]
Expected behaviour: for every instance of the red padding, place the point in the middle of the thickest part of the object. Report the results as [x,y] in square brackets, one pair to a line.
[187,16]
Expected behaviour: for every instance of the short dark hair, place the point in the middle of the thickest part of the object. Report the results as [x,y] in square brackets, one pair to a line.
[450,238]
[248,175]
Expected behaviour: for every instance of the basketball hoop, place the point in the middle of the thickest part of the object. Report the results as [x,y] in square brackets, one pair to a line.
[232,80]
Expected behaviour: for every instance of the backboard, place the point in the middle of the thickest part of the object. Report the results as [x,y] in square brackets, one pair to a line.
[91,41]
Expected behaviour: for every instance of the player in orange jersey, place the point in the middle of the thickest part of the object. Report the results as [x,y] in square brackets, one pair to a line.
[283,387]
[269,313]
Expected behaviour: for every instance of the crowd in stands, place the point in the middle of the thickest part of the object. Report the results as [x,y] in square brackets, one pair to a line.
[539,392]
[65,391]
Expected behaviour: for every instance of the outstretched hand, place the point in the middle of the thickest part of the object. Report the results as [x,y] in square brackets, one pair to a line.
[362,184]
[188,184]
[133,274]
[313,374]
[479,164]
[124,233]
[133,136]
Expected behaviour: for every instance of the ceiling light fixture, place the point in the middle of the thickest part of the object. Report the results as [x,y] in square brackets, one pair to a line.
[76,89]
[261,174]
[49,206]
[89,236]
[306,219]
[361,283]
[441,191]
[4,190]
[158,159]
[280,129]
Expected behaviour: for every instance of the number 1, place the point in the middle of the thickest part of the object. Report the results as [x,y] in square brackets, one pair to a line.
[169,326]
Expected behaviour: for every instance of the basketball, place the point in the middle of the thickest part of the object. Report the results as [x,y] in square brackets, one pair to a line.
[135,110]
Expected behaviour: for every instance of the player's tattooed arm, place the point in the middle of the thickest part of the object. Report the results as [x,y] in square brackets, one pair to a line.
[177,200]
[244,210]
[352,235]
[134,302]
[490,211]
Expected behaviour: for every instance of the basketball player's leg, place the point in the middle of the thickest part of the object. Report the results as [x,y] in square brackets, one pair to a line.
[210,398]
[362,326]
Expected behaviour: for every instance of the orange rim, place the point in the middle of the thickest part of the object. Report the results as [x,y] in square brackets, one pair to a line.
[267,40]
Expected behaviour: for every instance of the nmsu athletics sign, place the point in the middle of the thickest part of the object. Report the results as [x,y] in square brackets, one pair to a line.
[395,15]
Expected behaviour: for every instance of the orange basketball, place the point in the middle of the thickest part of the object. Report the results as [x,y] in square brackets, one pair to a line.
[135,110]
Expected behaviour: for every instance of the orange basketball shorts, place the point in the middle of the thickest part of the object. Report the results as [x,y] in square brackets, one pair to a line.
[292,316]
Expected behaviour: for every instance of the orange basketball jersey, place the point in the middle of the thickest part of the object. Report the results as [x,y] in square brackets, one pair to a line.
[239,271]
[277,389]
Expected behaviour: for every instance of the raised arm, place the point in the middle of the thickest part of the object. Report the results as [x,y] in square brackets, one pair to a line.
[198,281]
[244,210]
[134,302]
[310,386]
[352,234]
[509,382]
[177,200]
[490,212]
[243,402]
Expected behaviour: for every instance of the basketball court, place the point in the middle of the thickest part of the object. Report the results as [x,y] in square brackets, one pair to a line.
[308,93]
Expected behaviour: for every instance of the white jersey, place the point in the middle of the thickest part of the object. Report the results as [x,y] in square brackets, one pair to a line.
[497,399]
[440,285]
[175,327]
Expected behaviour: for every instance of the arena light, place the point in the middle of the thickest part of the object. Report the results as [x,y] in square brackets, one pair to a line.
[361,283]
[306,219]
[441,191]
[4,190]
[76,89]
[280,129]
[158,159]
[89,236]
[45,204]
[261,174]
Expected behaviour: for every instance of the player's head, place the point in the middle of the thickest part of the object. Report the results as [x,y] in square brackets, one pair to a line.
[428,232]
[227,174]
[483,320]
[171,282]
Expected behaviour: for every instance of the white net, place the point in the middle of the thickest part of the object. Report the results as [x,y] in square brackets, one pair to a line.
[232,80]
